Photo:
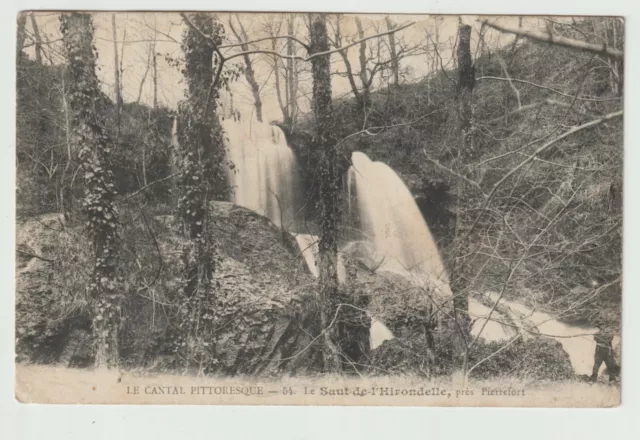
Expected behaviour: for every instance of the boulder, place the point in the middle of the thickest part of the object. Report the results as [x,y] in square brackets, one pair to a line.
[262,320]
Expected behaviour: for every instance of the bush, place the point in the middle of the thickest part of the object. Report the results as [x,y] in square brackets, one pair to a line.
[532,359]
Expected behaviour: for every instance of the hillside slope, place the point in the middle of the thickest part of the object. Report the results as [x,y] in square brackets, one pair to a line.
[551,230]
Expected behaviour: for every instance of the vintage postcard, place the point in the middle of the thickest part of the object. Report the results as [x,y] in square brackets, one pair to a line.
[319,209]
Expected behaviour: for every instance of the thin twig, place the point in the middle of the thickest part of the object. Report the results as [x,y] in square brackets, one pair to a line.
[450,171]
[35,256]
[135,193]
[540,86]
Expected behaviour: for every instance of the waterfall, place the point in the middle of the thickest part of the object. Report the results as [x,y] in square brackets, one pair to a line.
[264,174]
[384,215]
[390,219]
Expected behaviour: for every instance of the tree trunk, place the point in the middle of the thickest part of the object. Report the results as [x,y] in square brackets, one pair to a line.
[22,21]
[93,152]
[201,161]
[276,72]
[144,76]
[36,35]
[116,69]
[329,187]
[466,82]
[395,65]
[155,79]
[362,56]
[613,35]
[292,104]
[248,72]
[347,64]
[66,201]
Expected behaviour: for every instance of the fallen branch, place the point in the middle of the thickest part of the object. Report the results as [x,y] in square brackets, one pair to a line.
[600,49]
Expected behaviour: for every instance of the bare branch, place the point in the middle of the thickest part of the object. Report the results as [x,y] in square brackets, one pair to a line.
[135,193]
[546,146]
[497,78]
[319,54]
[450,171]
[513,87]
[48,260]
[533,106]
[276,37]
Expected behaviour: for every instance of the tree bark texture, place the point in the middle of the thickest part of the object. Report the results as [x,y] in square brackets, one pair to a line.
[329,185]
[466,82]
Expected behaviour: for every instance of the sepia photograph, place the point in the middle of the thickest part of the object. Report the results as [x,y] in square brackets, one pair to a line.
[220,208]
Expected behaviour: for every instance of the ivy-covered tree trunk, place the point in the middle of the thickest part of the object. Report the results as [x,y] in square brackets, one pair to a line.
[466,82]
[201,158]
[88,133]
[324,145]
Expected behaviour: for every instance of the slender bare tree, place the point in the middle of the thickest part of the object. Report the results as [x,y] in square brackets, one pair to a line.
[37,38]
[395,63]
[249,73]
[116,70]
[22,21]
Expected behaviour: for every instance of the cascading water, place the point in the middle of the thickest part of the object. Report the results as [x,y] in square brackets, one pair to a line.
[390,219]
[265,173]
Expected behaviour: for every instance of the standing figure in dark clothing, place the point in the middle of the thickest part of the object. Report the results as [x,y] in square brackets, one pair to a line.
[604,353]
